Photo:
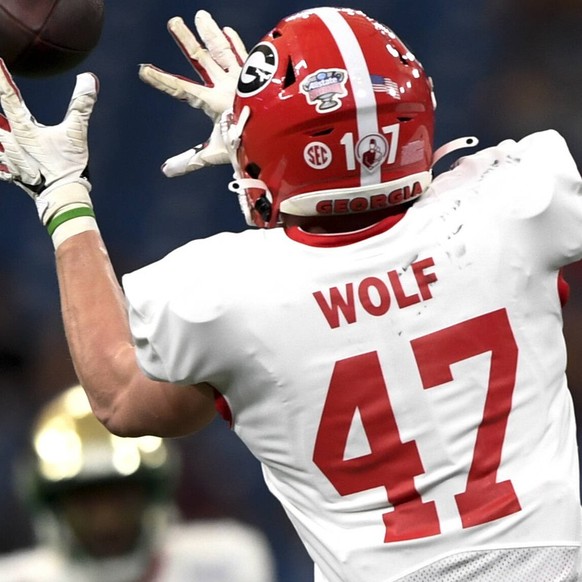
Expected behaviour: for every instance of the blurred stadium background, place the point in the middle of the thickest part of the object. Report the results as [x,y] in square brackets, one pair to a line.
[502,69]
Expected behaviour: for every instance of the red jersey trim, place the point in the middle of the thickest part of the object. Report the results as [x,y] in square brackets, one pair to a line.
[343,238]
[563,289]
[222,407]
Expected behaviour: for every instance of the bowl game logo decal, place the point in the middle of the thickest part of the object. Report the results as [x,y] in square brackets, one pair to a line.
[371,151]
[325,89]
[258,70]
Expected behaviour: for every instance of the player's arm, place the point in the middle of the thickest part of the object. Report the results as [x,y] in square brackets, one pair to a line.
[49,164]
[96,324]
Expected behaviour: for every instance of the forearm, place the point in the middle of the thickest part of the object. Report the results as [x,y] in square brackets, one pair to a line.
[97,329]
[93,311]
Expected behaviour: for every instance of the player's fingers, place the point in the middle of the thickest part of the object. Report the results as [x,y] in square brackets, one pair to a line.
[11,150]
[84,95]
[5,173]
[4,129]
[12,104]
[237,44]
[4,124]
[76,121]
[193,50]
[161,80]
[177,87]
[182,163]
[8,86]
[215,40]
[187,43]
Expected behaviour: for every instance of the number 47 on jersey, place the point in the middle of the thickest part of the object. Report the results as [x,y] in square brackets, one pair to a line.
[358,384]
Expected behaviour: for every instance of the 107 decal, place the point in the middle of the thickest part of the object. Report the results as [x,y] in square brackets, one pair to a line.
[370,152]
[357,385]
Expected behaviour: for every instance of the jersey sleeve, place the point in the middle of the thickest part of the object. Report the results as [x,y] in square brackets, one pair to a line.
[546,197]
[174,307]
[143,323]
[531,193]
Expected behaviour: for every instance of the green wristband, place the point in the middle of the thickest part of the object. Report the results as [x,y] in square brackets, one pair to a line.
[59,219]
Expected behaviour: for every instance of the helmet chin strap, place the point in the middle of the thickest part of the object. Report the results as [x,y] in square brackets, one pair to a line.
[240,186]
[231,134]
[452,146]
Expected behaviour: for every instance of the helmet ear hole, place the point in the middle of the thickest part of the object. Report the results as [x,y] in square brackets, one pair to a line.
[253,170]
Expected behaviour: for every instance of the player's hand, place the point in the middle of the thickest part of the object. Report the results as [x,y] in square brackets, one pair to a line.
[218,61]
[48,162]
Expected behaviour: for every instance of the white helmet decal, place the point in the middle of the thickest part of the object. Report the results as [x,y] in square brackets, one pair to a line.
[258,70]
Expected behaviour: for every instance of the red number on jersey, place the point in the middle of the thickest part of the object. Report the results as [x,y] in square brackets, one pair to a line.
[357,384]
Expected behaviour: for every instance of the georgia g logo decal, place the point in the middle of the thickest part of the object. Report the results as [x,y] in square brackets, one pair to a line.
[258,70]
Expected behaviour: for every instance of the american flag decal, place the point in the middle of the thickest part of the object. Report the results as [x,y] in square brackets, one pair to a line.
[385,85]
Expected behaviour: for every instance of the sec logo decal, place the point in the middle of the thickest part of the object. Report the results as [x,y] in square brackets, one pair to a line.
[317,155]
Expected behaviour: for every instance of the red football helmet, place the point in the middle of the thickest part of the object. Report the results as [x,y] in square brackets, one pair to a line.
[332,115]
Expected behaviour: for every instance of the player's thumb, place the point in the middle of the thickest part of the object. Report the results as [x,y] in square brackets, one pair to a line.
[84,96]
[183,163]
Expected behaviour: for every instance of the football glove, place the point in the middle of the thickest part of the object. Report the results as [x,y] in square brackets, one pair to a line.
[48,162]
[218,62]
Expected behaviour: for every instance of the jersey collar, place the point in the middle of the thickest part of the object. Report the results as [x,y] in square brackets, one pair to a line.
[344,238]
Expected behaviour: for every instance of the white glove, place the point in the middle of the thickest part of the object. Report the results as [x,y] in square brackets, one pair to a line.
[218,63]
[48,162]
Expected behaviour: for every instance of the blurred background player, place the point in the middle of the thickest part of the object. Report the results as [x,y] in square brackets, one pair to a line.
[103,510]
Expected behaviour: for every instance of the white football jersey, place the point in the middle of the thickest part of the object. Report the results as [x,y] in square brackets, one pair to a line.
[202,551]
[403,387]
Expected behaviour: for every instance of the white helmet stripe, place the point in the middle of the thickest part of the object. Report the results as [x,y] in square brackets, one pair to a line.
[359,78]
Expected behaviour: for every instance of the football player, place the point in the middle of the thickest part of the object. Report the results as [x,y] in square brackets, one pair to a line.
[388,345]
[103,511]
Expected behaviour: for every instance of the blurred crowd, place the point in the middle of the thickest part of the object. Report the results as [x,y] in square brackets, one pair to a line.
[502,69]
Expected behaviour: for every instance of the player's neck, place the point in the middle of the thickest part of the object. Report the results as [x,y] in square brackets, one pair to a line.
[342,223]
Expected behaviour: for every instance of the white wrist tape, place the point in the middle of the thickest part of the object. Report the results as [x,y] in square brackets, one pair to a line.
[59,196]
[70,222]
[68,211]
